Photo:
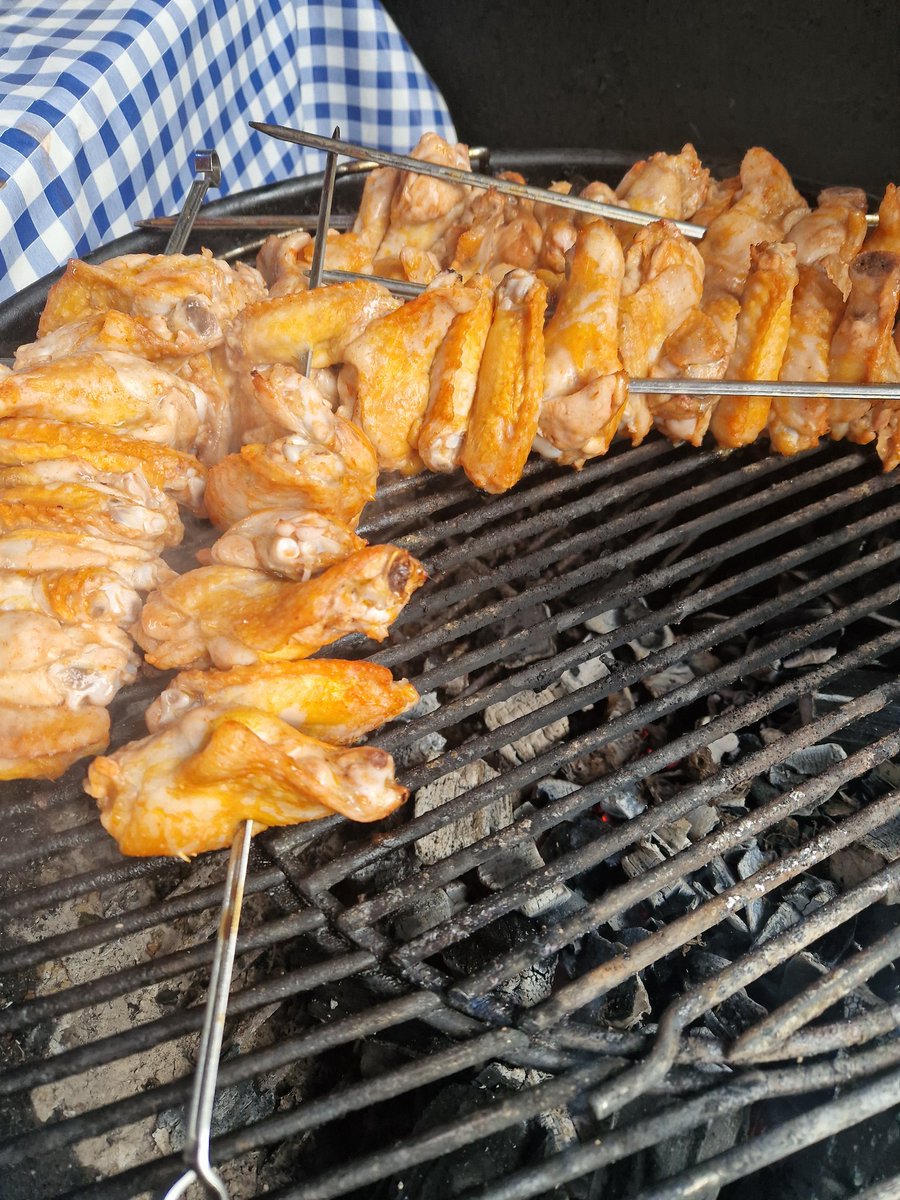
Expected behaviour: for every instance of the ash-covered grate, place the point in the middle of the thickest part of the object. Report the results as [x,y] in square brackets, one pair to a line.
[651,863]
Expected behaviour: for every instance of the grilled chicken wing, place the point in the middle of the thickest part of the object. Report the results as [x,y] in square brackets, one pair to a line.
[187,788]
[667,185]
[289,542]
[97,332]
[326,464]
[796,424]
[30,440]
[113,391]
[663,282]
[454,375]
[720,196]
[36,550]
[422,208]
[763,327]
[500,233]
[385,378]
[229,616]
[584,387]
[507,401]
[186,298]
[325,698]
[766,207]
[42,743]
[833,233]
[698,349]
[863,350]
[886,234]
[44,661]
[83,594]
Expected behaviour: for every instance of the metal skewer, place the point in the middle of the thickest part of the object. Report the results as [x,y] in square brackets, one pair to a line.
[208,174]
[523,191]
[275,224]
[321,242]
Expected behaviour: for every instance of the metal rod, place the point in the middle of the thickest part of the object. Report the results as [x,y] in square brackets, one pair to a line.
[196,1151]
[208,173]
[507,187]
[320,244]
[240,224]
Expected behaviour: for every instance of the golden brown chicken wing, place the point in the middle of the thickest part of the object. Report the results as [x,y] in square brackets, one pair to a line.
[187,788]
[230,616]
[796,424]
[42,743]
[833,233]
[763,327]
[663,282]
[886,234]
[31,440]
[326,464]
[99,331]
[289,542]
[584,386]
[507,401]
[667,185]
[454,375]
[385,378]
[325,697]
[83,594]
[35,550]
[117,392]
[187,298]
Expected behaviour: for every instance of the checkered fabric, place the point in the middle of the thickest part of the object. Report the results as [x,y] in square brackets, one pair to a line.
[102,103]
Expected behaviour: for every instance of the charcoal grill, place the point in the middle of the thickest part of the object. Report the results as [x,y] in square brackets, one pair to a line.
[552,984]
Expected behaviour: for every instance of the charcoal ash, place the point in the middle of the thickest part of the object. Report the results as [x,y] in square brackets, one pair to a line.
[443,842]
[480,948]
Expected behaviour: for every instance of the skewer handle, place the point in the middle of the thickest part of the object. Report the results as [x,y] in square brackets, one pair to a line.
[208,172]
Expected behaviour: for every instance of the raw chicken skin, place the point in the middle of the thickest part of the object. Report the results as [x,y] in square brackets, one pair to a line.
[42,743]
[73,596]
[584,386]
[832,235]
[324,698]
[763,327]
[229,616]
[507,400]
[288,542]
[187,788]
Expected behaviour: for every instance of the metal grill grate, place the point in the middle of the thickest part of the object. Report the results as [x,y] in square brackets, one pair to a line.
[754,557]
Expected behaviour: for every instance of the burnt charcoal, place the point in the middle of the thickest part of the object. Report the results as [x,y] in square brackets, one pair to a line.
[235,1108]
[627,801]
[533,744]
[804,764]
[752,860]
[660,683]
[458,834]
[555,789]
[513,863]
[806,895]
[812,656]
[735,1014]
[422,750]
[484,945]
[848,687]
[542,645]
[624,1006]
[430,910]
[591,671]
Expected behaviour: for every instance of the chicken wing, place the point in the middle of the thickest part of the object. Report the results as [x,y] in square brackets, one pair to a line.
[763,327]
[720,196]
[423,208]
[663,282]
[37,550]
[667,185]
[584,386]
[187,298]
[504,416]
[82,594]
[289,542]
[117,392]
[42,743]
[187,788]
[796,424]
[454,375]
[99,331]
[766,207]
[698,349]
[230,616]
[833,233]
[500,233]
[862,350]
[386,373]
[327,464]
[44,661]
[886,234]
[324,698]
[558,231]
[31,440]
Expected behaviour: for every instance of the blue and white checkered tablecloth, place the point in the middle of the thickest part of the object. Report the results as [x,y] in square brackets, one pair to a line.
[102,103]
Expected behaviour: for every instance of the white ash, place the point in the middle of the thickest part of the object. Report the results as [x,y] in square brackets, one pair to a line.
[752,860]
[556,789]
[660,683]
[531,745]
[804,764]
[626,802]
[423,750]
[534,985]
[542,646]
[812,656]
[426,704]
[434,847]
[591,671]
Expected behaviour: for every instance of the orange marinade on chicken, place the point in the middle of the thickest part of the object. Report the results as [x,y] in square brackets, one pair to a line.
[504,416]
[188,298]
[42,743]
[832,235]
[584,386]
[794,423]
[231,616]
[385,378]
[290,542]
[326,463]
[324,697]
[188,788]
[764,324]
[667,185]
